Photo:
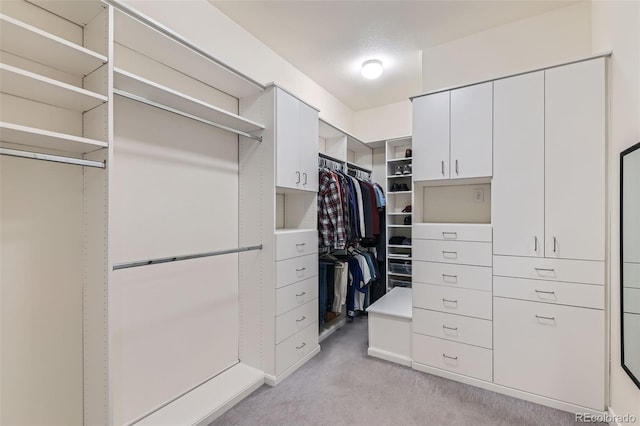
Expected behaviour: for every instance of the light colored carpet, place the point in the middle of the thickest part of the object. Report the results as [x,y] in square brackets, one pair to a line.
[343,386]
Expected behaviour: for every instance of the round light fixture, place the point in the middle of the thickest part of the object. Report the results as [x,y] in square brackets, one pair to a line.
[371,69]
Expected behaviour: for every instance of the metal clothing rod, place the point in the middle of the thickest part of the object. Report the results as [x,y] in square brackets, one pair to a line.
[184,114]
[54,158]
[172,35]
[184,257]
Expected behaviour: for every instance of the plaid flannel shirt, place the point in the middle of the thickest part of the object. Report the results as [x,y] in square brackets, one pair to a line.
[330,212]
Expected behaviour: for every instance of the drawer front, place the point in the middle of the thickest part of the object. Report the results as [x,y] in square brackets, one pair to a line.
[293,244]
[458,252]
[461,301]
[294,295]
[296,269]
[550,350]
[584,295]
[461,276]
[631,299]
[293,321]
[577,271]
[296,347]
[454,232]
[459,358]
[457,328]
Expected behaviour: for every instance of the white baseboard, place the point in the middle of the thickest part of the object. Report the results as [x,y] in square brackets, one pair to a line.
[553,403]
[209,401]
[389,356]
[275,380]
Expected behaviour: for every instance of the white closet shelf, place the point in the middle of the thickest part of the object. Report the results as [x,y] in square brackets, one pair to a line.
[399,192]
[399,226]
[393,160]
[399,257]
[399,214]
[358,166]
[399,275]
[25,84]
[399,246]
[149,90]
[79,12]
[39,46]
[30,136]
[400,176]
[163,45]
[294,231]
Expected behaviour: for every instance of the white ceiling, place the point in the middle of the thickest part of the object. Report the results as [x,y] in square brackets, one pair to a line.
[329,40]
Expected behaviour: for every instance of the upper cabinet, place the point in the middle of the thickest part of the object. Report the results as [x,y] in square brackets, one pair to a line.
[453,133]
[518,165]
[296,143]
[549,163]
[575,158]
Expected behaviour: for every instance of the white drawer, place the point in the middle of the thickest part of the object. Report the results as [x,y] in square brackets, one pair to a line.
[461,301]
[631,274]
[296,243]
[585,295]
[631,299]
[458,252]
[452,231]
[295,320]
[577,271]
[294,295]
[550,350]
[463,359]
[462,276]
[457,328]
[296,269]
[296,347]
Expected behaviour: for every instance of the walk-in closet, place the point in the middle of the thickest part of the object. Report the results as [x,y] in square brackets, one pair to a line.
[221,213]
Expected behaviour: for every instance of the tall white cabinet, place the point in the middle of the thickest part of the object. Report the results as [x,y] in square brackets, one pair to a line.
[538,309]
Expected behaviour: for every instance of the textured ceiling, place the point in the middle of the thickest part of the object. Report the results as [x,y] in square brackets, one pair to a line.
[328,40]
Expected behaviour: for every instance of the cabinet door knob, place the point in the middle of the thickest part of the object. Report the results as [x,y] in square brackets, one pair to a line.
[456,167]
[301,319]
[535,244]
[301,269]
[444,301]
[442,167]
[453,235]
[445,276]
[298,174]
[305,178]
[546,318]
[301,346]
[455,358]
[450,328]
[454,254]
[545,292]
[301,294]
[555,245]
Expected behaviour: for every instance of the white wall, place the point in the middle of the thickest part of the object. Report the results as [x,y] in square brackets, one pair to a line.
[534,42]
[210,29]
[616,27]
[384,122]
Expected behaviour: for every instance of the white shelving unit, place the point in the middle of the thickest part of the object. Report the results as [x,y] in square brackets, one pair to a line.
[29,85]
[398,169]
[24,40]
[135,85]
[29,136]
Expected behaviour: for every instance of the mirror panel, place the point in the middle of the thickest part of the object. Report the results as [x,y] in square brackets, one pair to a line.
[630,260]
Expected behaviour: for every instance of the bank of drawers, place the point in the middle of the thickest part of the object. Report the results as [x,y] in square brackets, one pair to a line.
[296,321]
[452,298]
[549,328]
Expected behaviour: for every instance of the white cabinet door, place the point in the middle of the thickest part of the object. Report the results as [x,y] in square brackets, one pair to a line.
[575,159]
[287,140]
[471,131]
[517,189]
[309,147]
[431,137]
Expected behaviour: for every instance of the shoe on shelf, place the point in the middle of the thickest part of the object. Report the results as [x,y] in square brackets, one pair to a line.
[408,153]
[406,169]
[407,209]
[395,187]
[404,187]
[398,170]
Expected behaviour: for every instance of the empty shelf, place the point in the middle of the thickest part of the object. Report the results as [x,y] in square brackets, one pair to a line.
[39,46]
[25,84]
[79,12]
[393,160]
[161,44]
[30,136]
[139,86]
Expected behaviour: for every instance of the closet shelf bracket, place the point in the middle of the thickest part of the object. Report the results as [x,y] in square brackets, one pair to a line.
[184,114]
[184,257]
[54,158]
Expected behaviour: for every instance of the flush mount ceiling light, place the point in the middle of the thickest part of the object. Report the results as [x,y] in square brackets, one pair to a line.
[371,69]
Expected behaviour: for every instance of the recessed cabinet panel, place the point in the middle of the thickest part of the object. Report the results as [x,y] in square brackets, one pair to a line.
[287,140]
[575,158]
[431,137]
[518,166]
[471,131]
[309,147]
